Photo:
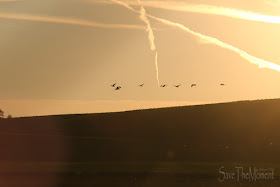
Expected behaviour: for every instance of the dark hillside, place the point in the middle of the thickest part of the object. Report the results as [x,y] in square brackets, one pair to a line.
[235,132]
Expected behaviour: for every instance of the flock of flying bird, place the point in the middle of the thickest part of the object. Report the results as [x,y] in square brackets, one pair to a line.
[162,86]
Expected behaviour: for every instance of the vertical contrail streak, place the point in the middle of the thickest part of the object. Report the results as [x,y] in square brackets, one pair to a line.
[156,60]
[143,17]
[151,36]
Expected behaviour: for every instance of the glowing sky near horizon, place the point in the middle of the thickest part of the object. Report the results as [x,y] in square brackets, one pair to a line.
[72,55]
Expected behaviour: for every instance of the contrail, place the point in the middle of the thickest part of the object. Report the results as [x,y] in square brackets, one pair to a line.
[122,4]
[156,61]
[209,9]
[70,21]
[215,10]
[144,18]
[210,40]
[151,36]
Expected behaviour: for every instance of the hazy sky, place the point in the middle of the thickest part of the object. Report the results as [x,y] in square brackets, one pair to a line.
[61,56]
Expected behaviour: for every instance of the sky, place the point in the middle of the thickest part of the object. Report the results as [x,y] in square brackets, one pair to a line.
[61,56]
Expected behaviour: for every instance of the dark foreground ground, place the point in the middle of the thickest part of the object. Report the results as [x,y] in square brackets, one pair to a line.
[128,174]
[182,146]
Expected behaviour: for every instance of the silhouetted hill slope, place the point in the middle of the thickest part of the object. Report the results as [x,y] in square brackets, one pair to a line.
[236,132]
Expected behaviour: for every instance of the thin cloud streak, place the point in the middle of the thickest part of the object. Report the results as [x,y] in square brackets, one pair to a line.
[210,40]
[119,3]
[210,9]
[69,21]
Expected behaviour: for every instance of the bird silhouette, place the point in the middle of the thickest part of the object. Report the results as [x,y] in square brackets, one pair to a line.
[163,85]
[141,85]
[117,88]
[177,86]
[222,84]
[193,85]
[113,85]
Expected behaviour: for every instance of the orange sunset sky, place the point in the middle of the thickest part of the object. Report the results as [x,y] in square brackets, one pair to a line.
[61,56]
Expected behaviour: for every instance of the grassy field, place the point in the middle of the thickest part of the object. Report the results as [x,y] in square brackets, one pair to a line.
[177,146]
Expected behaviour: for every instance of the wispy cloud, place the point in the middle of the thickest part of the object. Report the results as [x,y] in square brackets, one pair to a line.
[210,40]
[209,9]
[115,2]
[69,21]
